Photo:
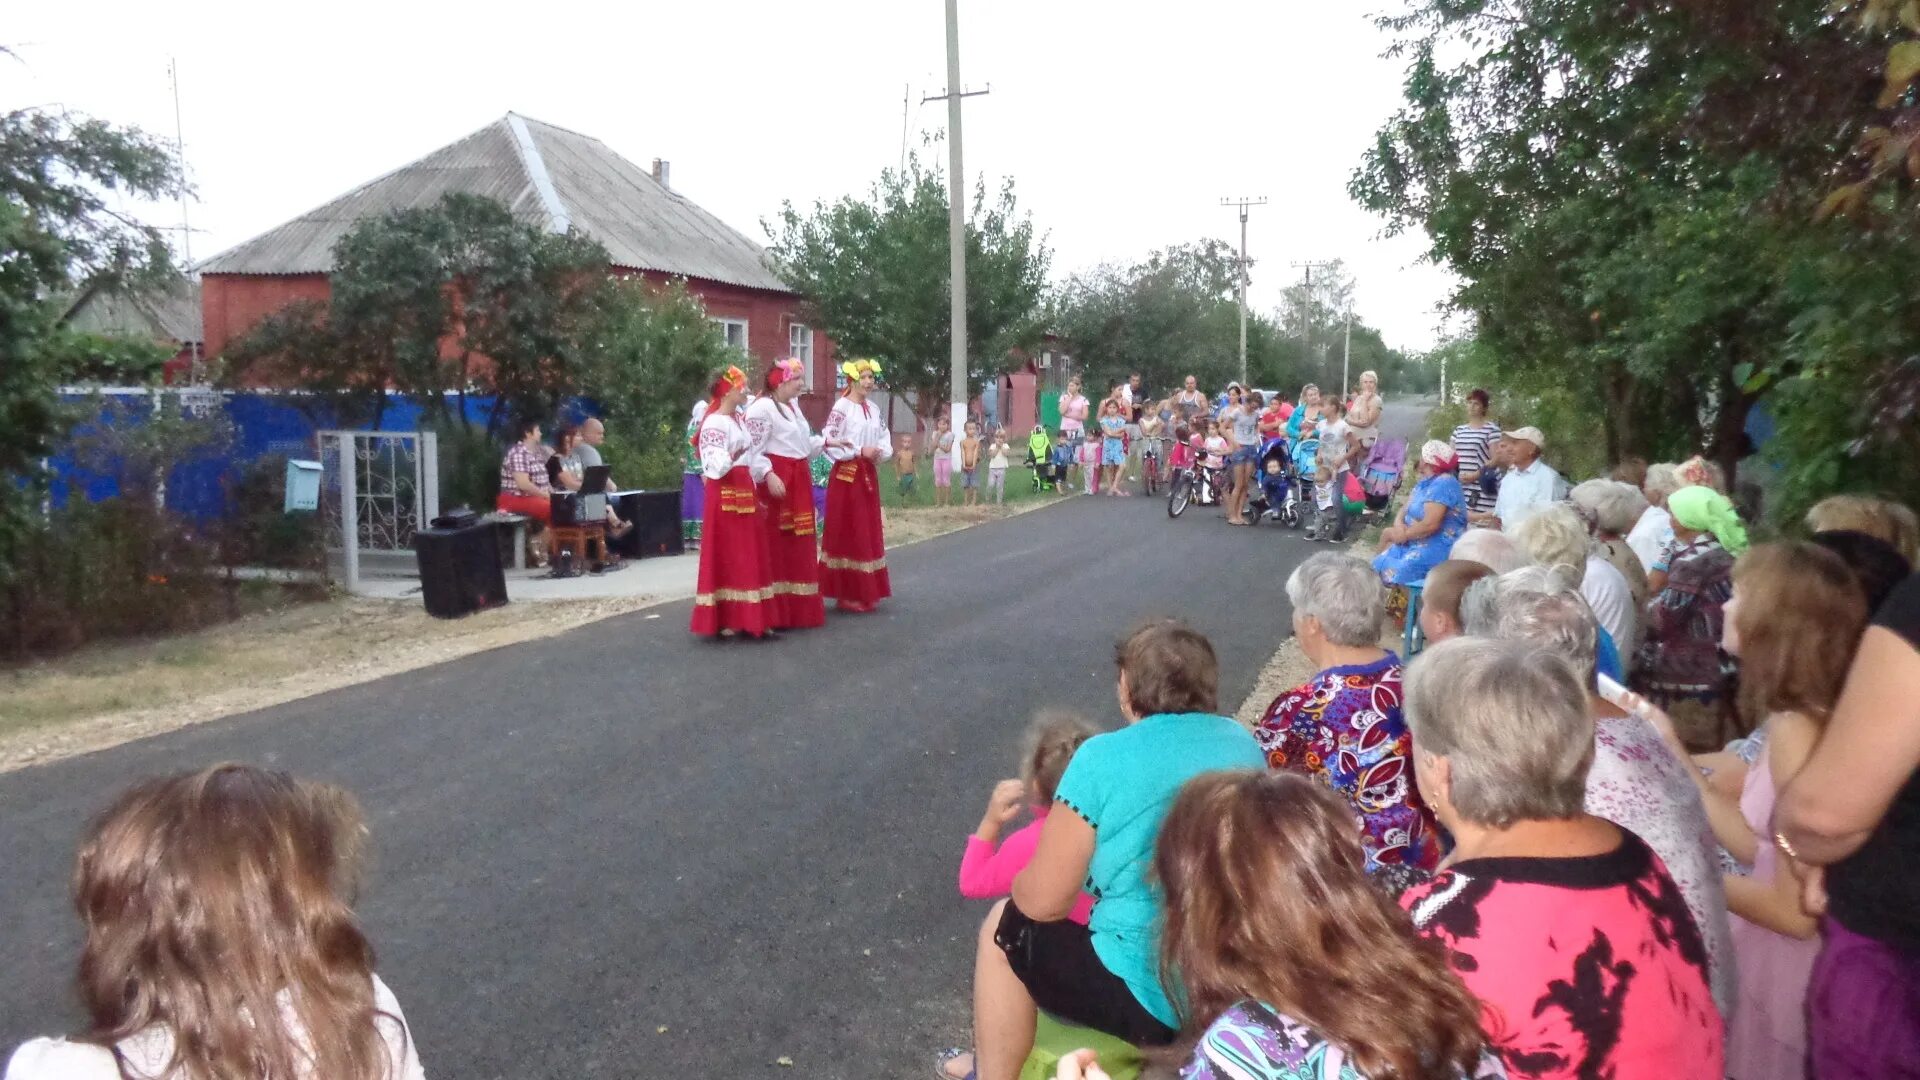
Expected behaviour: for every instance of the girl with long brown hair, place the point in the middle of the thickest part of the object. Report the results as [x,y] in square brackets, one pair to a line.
[215,903]
[1289,962]
[1794,620]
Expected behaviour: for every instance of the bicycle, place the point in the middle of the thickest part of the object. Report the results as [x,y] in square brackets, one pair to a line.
[1196,486]
[1150,465]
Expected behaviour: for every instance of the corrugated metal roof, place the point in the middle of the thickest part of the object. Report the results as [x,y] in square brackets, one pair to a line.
[642,224]
[167,313]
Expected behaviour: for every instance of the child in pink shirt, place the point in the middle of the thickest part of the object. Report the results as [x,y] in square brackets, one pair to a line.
[990,864]
[1090,463]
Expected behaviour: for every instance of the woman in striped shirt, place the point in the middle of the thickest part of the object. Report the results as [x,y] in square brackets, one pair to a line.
[1472,447]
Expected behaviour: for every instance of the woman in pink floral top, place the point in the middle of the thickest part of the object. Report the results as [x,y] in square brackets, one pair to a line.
[1635,781]
[1567,927]
[1344,726]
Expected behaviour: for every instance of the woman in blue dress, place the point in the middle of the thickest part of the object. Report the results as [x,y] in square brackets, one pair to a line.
[1436,516]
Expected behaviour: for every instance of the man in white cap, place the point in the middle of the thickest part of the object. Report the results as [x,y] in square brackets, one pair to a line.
[1529,484]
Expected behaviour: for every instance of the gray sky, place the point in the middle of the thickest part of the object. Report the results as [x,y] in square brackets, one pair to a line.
[1122,125]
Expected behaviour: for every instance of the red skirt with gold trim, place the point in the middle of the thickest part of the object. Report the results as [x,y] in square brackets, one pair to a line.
[793,547]
[736,584]
[853,551]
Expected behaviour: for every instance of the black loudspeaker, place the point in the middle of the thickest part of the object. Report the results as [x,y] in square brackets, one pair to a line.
[460,570]
[656,523]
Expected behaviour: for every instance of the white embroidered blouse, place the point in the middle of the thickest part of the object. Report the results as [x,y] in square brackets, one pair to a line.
[724,443]
[778,429]
[860,424]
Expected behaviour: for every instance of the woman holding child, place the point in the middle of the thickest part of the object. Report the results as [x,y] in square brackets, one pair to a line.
[1110,803]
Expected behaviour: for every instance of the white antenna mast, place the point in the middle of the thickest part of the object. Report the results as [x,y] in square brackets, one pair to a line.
[180,159]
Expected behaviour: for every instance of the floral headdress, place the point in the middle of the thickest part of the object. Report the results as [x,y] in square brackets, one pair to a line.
[853,369]
[782,370]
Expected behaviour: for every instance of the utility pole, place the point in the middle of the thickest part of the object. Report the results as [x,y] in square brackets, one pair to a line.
[1243,203]
[1306,304]
[956,214]
[1346,357]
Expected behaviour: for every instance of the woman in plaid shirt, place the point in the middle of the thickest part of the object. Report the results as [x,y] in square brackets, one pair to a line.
[524,488]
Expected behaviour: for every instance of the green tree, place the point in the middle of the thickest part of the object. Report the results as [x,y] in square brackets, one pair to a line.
[1628,198]
[651,351]
[442,300]
[61,176]
[874,271]
[1171,315]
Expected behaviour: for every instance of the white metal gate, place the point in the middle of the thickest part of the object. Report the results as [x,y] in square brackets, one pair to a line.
[378,488]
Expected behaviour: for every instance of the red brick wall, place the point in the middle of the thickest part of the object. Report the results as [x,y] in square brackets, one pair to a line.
[230,304]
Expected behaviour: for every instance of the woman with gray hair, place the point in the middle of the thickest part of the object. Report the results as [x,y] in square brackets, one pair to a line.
[1343,726]
[1557,538]
[1654,531]
[1610,510]
[1566,926]
[1635,780]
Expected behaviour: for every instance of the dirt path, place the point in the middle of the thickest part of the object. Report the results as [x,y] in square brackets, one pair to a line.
[108,694]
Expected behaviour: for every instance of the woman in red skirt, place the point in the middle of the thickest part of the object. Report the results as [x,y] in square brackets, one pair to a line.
[783,442]
[735,578]
[853,552]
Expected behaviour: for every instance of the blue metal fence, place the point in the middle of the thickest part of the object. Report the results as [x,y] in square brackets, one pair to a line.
[264,423]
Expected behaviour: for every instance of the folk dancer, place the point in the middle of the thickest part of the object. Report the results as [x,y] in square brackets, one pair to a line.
[853,555]
[735,584]
[784,443]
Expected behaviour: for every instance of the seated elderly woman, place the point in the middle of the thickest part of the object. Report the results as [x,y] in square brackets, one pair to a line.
[1610,508]
[1679,664]
[1653,531]
[1635,781]
[1490,548]
[1343,727]
[1436,516]
[1557,539]
[1105,975]
[1566,926]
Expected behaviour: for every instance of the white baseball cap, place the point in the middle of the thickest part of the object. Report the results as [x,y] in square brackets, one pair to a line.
[1529,434]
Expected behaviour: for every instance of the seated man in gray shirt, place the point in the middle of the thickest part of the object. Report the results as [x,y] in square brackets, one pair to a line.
[586,449]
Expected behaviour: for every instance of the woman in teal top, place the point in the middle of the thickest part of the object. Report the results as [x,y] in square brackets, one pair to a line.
[1118,787]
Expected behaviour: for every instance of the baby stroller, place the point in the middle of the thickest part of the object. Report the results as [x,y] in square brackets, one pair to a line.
[1274,497]
[1300,479]
[1380,476]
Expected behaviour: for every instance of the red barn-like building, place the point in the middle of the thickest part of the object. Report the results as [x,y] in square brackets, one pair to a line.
[561,180]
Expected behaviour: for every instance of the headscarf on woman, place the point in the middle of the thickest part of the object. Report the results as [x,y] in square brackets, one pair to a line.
[1706,510]
[1439,454]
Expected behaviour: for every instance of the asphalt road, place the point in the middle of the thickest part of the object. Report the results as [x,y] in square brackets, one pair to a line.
[582,841]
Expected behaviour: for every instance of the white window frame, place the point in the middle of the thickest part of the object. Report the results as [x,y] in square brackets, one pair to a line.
[727,326]
[800,347]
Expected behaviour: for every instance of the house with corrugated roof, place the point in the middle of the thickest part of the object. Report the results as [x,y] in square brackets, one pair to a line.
[561,180]
[167,313]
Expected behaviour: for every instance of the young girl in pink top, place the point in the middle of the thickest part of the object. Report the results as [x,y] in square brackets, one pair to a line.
[988,868]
